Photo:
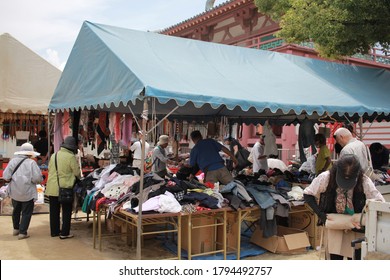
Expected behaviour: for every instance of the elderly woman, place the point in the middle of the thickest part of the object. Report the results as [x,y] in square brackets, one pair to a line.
[23,175]
[341,193]
[63,171]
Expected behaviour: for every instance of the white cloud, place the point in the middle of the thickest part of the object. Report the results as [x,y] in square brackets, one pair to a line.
[53,58]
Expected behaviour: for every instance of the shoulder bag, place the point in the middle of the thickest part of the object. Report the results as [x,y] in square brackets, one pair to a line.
[370,170]
[65,194]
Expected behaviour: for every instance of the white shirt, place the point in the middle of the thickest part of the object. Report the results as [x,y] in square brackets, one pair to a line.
[258,150]
[136,148]
[358,149]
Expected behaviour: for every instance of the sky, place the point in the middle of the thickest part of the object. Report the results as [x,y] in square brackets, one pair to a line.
[50,27]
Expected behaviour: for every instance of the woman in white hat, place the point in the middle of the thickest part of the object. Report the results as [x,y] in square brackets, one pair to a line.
[23,174]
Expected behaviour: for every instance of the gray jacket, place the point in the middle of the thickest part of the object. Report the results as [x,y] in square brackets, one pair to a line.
[23,184]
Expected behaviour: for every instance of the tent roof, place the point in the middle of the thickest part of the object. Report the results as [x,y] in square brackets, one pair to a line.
[111,68]
[27,81]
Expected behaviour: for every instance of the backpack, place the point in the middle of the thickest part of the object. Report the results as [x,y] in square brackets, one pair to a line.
[148,162]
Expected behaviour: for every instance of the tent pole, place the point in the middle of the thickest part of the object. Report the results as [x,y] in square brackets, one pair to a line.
[361,128]
[141,185]
[48,138]
[166,116]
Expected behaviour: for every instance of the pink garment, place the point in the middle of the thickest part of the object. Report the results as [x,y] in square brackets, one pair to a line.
[117,127]
[127,129]
[66,124]
[58,136]
[111,122]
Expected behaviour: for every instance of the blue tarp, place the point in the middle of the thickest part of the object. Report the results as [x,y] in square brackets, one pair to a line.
[110,68]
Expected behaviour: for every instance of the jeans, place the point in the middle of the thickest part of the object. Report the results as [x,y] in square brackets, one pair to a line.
[236,189]
[261,195]
[21,215]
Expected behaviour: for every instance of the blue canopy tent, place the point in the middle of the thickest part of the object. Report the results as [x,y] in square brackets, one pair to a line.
[112,68]
[122,70]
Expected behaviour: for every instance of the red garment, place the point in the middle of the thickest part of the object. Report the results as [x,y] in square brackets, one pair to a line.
[100,201]
[117,127]
[209,185]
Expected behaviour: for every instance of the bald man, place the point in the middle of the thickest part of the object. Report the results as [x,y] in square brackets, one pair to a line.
[352,146]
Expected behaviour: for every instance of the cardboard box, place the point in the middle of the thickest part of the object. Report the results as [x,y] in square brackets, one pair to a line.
[305,219]
[287,240]
[232,232]
[203,238]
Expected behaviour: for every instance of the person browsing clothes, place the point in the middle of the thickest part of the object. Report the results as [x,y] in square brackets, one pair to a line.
[323,160]
[205,155]
[379,156]
[351,145]
[42,147]
[67,172]
[136,149]
[341,193]
[259,156]
[160,158]
[23,174]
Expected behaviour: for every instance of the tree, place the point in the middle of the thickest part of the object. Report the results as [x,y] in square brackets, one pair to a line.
[337,27]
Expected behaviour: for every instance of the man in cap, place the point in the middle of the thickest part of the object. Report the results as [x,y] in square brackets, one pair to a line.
[23,175]
[159,157]
[342,190]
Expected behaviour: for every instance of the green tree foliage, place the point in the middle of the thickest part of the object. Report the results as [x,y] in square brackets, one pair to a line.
[337,27]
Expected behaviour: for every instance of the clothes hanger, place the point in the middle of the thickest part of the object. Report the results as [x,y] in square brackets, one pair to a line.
[327,119]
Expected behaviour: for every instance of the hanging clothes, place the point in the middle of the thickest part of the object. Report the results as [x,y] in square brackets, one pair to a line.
[270,149]
[306,138]
[127,127]
[102,132]
[58,136]
[75,124]
[117,127]
[66,123]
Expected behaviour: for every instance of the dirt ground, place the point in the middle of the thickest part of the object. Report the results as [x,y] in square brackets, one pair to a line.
[40,246]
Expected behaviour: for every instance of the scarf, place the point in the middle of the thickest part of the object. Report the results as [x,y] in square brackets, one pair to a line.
[344,203]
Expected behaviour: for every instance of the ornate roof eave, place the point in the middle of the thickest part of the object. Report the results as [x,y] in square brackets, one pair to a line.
[346,60]
[218,10]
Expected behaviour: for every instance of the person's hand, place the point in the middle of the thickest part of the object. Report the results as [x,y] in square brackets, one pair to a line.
[322,218]
[356,225]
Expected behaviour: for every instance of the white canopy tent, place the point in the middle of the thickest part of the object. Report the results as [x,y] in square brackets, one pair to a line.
[27,83]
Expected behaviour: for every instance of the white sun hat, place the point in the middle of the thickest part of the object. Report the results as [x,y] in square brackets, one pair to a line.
[28,150]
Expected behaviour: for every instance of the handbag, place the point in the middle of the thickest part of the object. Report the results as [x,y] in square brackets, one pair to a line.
[369,172]
[65,195]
